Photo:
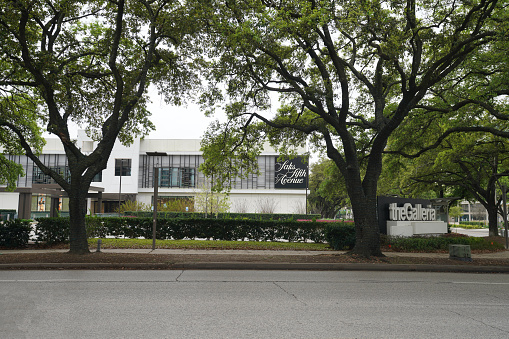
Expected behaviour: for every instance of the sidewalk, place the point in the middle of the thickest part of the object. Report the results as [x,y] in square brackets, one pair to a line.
[490,255]
[188,260]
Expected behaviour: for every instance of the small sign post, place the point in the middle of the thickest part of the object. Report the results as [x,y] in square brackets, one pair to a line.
[156,186]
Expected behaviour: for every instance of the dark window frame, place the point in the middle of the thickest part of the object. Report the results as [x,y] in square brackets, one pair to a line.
[179,177]
[125,165]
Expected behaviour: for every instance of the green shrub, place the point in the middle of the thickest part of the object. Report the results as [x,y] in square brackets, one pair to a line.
[250,216]
[52,230]
[15,233]
[439,243]
[340,236]
[472,224]
[55,230]
[95,227]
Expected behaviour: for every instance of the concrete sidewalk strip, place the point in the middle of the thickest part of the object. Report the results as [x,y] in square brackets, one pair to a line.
[241,252]
[491,255]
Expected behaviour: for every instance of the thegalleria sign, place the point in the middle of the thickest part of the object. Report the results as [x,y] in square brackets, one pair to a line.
[410,213]
[291,174]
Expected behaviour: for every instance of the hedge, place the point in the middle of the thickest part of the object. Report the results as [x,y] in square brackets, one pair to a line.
[473,223]
[340,236]
[15,233]
[250,216]
[438,243]
[54,230]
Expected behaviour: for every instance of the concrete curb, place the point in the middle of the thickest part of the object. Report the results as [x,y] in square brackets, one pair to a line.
[256,266]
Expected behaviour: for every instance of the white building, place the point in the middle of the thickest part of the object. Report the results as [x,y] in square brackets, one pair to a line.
[473,211]
[38,195]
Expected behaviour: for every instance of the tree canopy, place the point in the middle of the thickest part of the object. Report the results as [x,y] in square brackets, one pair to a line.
[348,73]
[20,111]
[469,165]
[327,189]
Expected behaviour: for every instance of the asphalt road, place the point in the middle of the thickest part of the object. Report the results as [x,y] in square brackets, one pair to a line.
[252,304]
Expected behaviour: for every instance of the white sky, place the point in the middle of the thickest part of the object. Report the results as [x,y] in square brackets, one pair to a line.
[181,122]
[171,122]
[176,122]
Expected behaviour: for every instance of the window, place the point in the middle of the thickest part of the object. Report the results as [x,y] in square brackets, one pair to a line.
[123,167]
[187,177]
[98,177]
[87,146]
[39,203]
[63,204]
[40,178]
[176,177]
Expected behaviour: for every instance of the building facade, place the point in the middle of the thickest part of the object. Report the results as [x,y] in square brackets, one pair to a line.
[473,211]
[279,187]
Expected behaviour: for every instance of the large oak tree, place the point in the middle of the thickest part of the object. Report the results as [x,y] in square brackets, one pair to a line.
[348,74]
[468,165]
[463,149]
[90,62]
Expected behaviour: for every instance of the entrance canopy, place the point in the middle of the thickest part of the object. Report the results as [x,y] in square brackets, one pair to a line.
[54,191]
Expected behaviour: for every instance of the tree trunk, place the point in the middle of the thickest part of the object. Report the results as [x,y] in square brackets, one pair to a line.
[492,221]
[367,232]
[77,212]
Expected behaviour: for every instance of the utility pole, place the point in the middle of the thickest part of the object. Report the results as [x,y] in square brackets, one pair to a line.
[154,223]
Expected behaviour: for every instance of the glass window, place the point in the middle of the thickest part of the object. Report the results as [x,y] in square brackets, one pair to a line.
[176,177]
[123,166]
[175,180]
[41,203]
[187,177]
[164,177]
[63,204]
[98,177]
[168,177]
[40,178]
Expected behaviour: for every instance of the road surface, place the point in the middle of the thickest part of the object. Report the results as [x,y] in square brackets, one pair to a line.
[252,304]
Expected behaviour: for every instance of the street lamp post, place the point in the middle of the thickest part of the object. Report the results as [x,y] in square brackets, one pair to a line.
[156,186]
[120,185]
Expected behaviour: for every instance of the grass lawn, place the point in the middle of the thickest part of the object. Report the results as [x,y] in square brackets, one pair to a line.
[209,244]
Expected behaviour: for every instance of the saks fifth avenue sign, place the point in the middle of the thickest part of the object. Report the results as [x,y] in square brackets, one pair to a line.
[411,213]
[291,174]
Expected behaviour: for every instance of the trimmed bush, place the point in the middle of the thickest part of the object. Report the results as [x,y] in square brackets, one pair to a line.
[56,230]
[439,243]
[15,233]
[250,216]
[52,230]
[473,224]
[340,236]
